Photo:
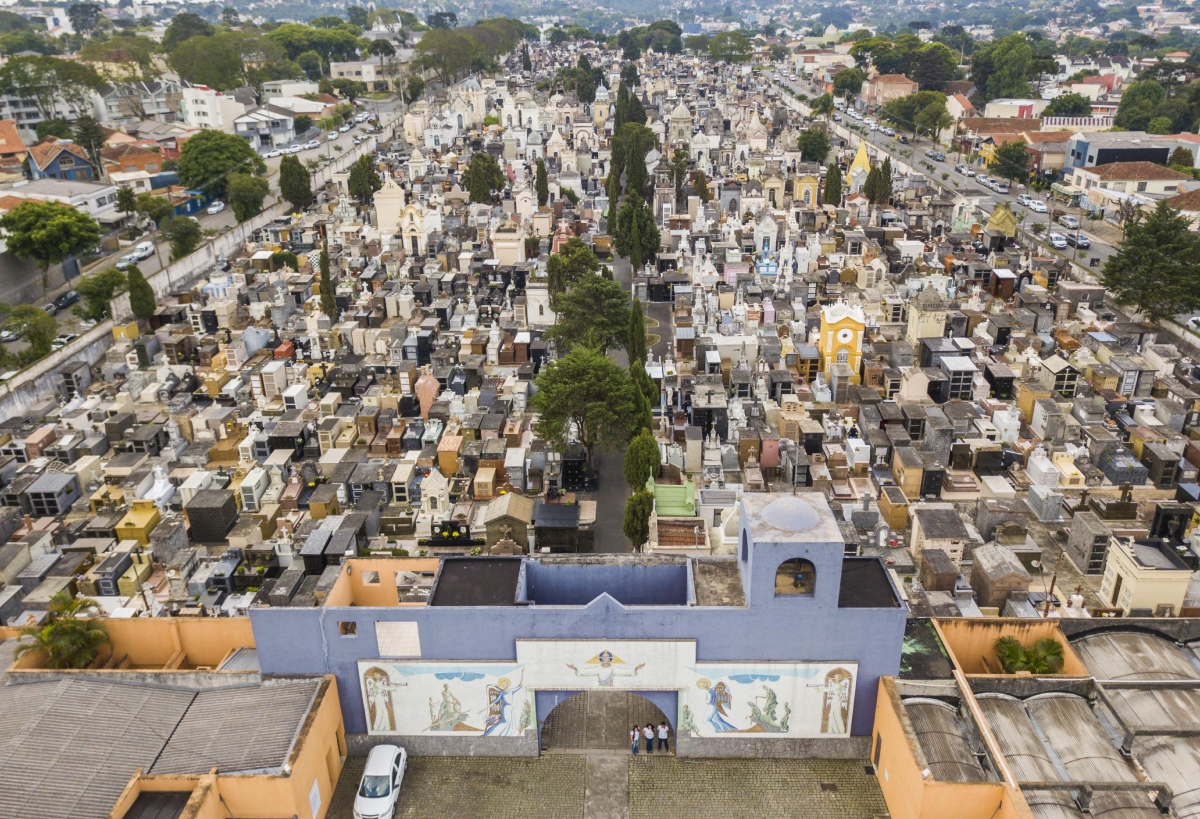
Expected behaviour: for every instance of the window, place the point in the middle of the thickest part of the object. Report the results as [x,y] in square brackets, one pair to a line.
[795,577]
[745,547]
[1141,186]
[370,578]
[843,356]
[398,639]
[348,628]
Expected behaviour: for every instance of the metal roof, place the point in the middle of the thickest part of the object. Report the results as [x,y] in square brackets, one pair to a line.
[1175,761]
[944,741]
[1130,655]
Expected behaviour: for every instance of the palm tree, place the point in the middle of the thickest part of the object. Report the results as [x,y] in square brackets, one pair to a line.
[823,106]
[1046,656]
[66,639]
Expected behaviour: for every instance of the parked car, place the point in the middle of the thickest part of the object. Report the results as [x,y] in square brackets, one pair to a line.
[1069,222]
[126,261]
[903,139]
[346,128]
[65,300]
[7,335]
[312,143]
[215,208]
[1078,240]
[293,149]
[63,340]
[380,784]
[87,324]
[1037,205]
[1058,241]
[51,309]
[274,152]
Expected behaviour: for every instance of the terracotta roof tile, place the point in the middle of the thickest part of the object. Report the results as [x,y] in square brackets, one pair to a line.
[10,140]
[1136,171]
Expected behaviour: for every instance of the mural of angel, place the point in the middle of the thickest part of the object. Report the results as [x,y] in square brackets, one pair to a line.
[836,689]
[718,699]
[501,721]
[379,688]
[606,672]
[447,715]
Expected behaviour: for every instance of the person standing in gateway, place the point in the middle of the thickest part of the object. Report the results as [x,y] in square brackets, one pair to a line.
[648,733]
[634,735]
[663,731]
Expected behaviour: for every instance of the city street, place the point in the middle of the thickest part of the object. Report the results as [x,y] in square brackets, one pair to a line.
[942,174]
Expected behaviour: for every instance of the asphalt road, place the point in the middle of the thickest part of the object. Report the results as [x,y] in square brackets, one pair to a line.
[942,174]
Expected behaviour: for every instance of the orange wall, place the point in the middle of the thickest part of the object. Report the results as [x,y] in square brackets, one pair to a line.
[156,642]
[911,796]
[350,587]
[970,641]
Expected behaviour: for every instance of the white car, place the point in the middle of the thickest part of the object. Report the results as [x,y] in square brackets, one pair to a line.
[1036,205]
[1058,241]
[215,208]
[1069,222]
[293,149]
[345,129]
[312,143]
[380,784]
[274,152]
[1023,199]
[126,261]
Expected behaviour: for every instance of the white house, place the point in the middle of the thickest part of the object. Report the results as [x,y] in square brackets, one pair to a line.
[266,126]
[204,107]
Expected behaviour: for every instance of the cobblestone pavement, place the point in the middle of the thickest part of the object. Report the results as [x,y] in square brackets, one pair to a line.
[597,720]
[568,786]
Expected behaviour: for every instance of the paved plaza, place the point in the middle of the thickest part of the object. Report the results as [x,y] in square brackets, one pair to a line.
[576,786]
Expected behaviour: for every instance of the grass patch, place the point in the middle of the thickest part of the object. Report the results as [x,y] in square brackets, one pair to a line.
[652,339]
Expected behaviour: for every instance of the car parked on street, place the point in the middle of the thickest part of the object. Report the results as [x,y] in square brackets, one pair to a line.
[379,787]
[215,208]
[274,152]
[312,143]
[1037,205]
[63,340]
[65,300]
[1069,222]
[7,335]
[1077,239]
[1058,241]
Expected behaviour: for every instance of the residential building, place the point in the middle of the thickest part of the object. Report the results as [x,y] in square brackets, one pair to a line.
[55,158]
[887,87]
[1147,178]
[144,99]
[96,198]
[12,147]
[266,126]
[204,107]
[1087,150]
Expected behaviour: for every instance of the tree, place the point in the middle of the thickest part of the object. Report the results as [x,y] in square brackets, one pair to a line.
[1011,161]
[38,327]
[483,177]
[1159,126]
[1138,103]
[1183,157]
[230,16]
[587,396]
[833,186]
[922,112]
[700,187]
[1157,267]
[442,19]
[141,294]
[184,234]
[542,184]
[1003,68]
[814,145]
[643,460]
[364,179]
[359,16]
[594,312]
[1069,105]
[823,105]
[66,638]
[328,290]
[636,236]
[155,208]
[48,233]
[848,82]
[208,159]
[53,128]
[213,61]
[730,47]
[126,201]
[629,75]
[526,62]
[295,183]
[415,88]
[313,66]
[1046,656]
[184,27]
[574,261]
[51,83]
[635,339]
[84,17]
[96,291]
[638,509]
[679,169]
[90,134]
[245,194]
[932,66]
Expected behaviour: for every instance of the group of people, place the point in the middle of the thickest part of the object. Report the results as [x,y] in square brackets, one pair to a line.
[648,733]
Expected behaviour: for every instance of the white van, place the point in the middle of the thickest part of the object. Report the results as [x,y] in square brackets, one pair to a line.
[143,250]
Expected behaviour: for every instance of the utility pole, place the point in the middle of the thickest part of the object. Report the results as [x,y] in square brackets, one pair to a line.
[1050,593]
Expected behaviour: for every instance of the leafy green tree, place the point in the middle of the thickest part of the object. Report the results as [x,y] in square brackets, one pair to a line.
[155,208]
[245,194]
[328,289]
[697,43]
[833,186]
[303,122]
[53,128]
[1159,126]
[823,105]
[700,187]
[483,177]
[364,179]
[635,341]
[1069,105]
[295,183]
[350,89]
[574,261]
[542,184]
[643,411]
[52,84]
[587,395]
[636,526]
[1004,68]
[1157,267]
[141,294]
[679,169]
[48,233]
[38,327]
[96,291]
[122,48]
[206,60]
[631,143]
[358,16]
[730,47]
[1011,161]
[594,312]
[526,62]
[814,145]
[919,113]
[230,16]
[284,258]
[1182,156]
[184,234]
[933,65]
[184,27]
[84,17]
[126,201]
[209,159]
[1138,103]
[313,66]
[848,82]
[89,133]
[66,638]
[1045,657]
[629,75]
[415,88]
[636,237]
